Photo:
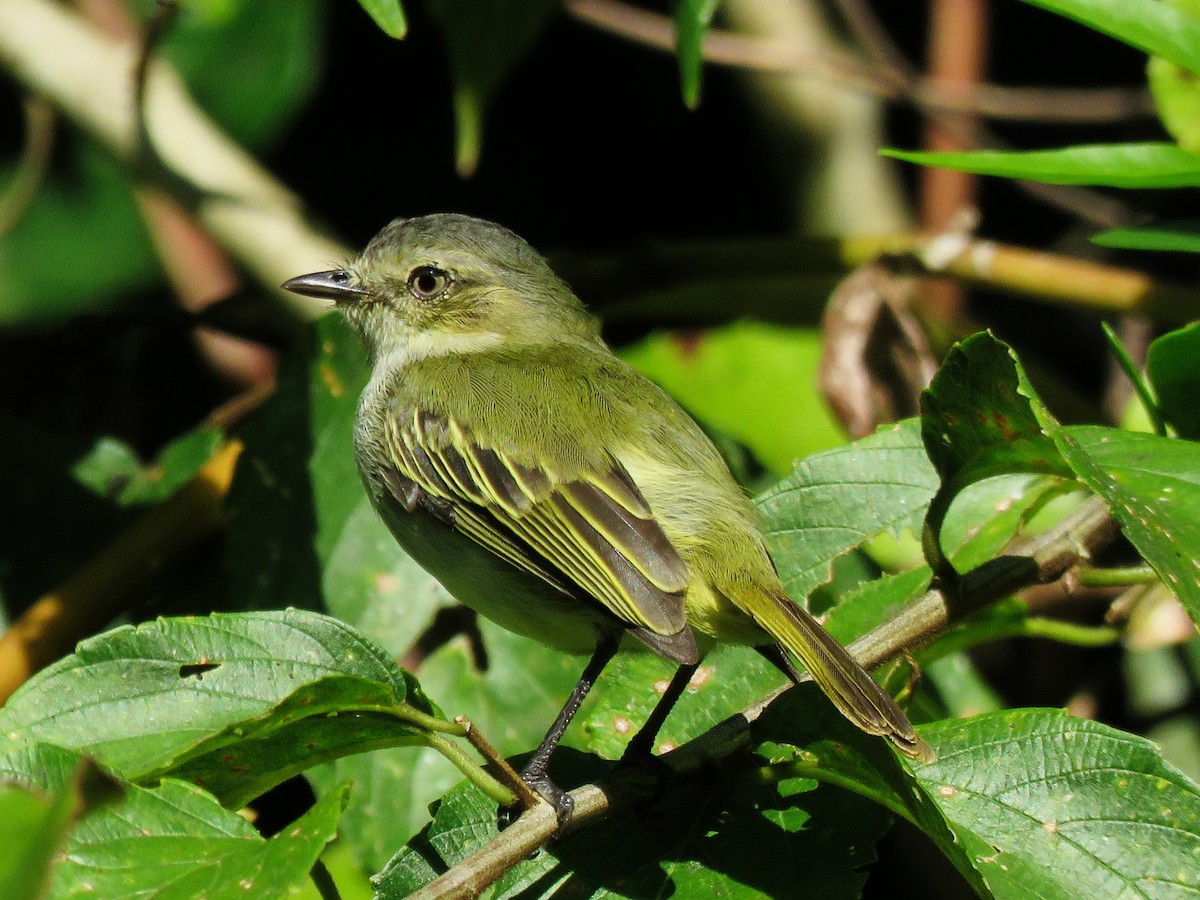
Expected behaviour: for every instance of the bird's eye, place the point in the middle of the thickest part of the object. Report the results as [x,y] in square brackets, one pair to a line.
[428,282]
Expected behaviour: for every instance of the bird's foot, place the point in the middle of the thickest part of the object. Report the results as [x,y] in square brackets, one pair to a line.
[539,781]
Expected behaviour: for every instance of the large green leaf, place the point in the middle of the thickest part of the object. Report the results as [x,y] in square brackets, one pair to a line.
[148,699]
[834,501]
[1131,165]
[251,66]
[35,827]
[731,678]
[85,231]
[1047,805]
[1152,485]
[1160,29]
[1025,803]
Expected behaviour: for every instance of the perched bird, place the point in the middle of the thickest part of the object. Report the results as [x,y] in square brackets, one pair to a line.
[549,485]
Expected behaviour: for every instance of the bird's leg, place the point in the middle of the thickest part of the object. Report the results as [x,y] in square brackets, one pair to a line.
[641,745]
[534,772]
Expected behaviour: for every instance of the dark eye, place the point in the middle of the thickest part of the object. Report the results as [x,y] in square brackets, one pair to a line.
[428,282]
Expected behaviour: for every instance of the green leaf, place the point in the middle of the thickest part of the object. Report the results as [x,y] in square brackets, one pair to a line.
[1131,165]
[692,18]
[176,841]
[1173,366]
[388,15]
[1046,805]
[754,382]
[836,500]
[143,700]
[485,40]
[302,531]
[731,678]
[980,418]
[1158,28]
[113,470]
[1180,237]
[1152,486]
[734,833]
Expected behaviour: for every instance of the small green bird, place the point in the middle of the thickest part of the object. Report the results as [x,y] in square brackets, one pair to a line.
[549,485]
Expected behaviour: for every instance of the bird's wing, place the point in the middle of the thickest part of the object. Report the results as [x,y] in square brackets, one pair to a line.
[591,532]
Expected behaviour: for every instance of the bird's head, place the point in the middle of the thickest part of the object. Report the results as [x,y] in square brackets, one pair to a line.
[446,283]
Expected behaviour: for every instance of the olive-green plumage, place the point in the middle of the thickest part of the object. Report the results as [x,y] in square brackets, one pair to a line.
[545,482]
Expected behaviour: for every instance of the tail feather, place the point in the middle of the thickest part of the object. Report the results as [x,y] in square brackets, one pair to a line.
[856,695]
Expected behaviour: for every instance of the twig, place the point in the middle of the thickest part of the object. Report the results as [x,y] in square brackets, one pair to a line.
[526,797]
[1039,560]
[1032,273]
[765,55]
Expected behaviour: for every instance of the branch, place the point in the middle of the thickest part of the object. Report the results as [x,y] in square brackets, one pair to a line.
[1040,560]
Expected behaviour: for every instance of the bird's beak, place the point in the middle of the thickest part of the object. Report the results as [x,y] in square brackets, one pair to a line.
[332,285]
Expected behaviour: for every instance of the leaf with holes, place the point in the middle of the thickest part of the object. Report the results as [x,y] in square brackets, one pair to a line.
[222,694]
[1047,805]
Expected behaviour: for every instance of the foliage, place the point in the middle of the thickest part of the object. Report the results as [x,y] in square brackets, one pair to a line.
[126,767]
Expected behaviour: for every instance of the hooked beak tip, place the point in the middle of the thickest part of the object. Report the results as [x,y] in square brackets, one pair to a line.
[333,285]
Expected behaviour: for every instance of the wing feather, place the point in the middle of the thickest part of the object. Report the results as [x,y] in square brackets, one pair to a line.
[593,530]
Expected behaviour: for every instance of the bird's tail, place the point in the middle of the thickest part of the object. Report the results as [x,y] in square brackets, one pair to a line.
[844,681]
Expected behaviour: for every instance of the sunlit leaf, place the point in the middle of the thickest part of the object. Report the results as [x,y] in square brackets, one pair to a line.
[1111,165]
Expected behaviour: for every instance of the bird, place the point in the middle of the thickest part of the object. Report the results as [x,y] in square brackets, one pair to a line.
[550,486]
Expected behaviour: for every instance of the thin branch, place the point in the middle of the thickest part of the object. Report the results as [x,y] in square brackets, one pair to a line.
[1040,560]
[765,55]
